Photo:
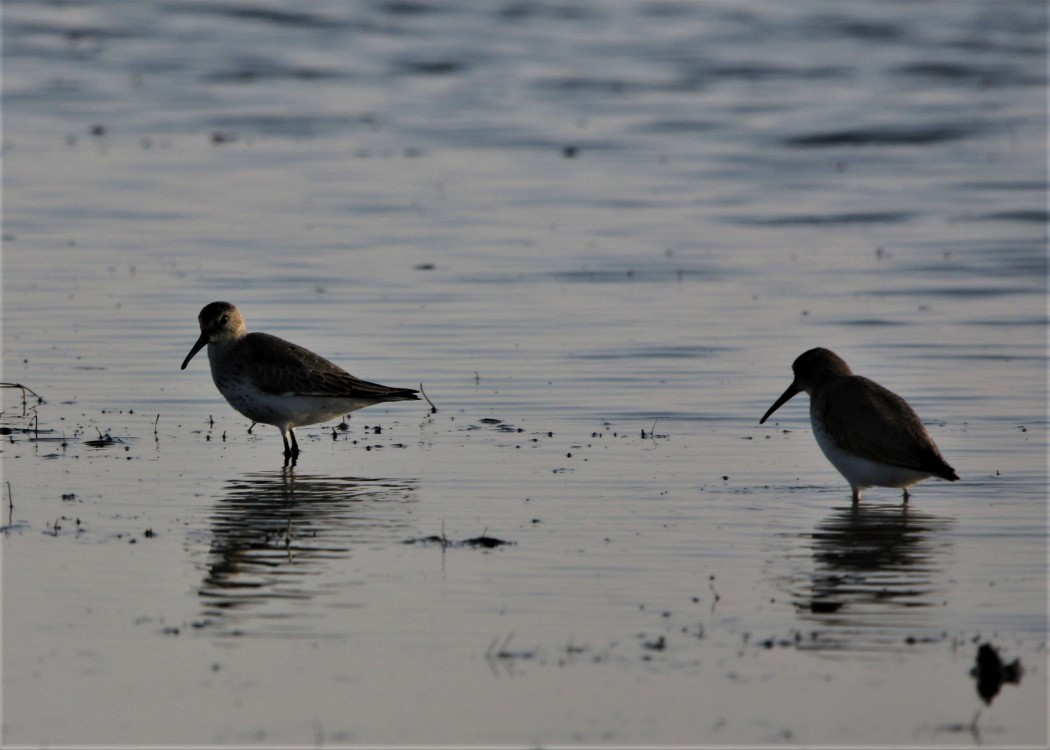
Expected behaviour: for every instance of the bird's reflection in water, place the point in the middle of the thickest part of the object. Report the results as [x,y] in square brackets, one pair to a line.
[876,569]
[275,536]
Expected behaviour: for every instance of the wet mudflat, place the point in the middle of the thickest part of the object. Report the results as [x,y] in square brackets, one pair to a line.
[598,250]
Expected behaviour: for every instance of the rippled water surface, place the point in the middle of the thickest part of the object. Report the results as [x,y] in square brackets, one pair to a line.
[597,234]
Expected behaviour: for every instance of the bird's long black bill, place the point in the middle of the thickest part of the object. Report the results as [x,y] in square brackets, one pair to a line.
[196,348]
[786,396]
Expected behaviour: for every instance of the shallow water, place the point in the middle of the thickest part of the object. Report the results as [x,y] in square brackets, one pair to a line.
[598,235]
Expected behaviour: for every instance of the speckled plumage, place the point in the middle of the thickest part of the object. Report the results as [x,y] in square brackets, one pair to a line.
[870,434]
[273,381]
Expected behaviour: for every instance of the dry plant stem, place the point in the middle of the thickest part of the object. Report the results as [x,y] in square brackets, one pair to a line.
[433,409]
[24,389]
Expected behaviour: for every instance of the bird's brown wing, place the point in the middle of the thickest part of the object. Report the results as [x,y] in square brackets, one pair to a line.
[280,366]
[871,421]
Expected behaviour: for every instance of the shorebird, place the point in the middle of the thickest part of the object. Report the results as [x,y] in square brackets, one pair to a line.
[870,434]
[273,381]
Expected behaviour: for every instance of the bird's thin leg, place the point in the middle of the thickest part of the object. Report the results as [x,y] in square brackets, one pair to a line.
[856,495]
[906,496]
[295,444]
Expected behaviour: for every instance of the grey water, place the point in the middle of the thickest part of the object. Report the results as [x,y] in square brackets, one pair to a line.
[597,234]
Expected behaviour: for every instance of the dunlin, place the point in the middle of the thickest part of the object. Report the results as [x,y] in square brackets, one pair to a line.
[273,381]
[868,433]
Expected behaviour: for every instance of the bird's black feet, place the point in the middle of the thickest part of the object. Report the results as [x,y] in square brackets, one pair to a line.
[291,447]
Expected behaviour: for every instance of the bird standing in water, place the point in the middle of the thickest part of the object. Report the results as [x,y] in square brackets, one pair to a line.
[273,381]
[870,434]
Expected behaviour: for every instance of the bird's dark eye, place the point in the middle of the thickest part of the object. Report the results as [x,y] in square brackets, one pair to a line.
[224,320]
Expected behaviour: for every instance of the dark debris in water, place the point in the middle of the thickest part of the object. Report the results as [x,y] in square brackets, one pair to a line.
[882,136]
[483,542]
[103,441]
[992,673]
[657,645]
[499,651]
[498,424]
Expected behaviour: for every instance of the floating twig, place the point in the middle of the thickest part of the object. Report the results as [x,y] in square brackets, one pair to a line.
[433,409]
[499,652]
[24,389]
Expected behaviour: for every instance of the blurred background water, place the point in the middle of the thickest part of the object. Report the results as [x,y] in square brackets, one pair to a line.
[598,234]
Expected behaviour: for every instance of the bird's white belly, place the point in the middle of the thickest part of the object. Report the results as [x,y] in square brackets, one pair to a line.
[863,472]
[284,409]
